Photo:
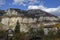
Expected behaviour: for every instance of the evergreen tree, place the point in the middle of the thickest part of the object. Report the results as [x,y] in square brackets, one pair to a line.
[17,28]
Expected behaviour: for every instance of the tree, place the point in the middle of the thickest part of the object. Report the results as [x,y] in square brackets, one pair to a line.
[17,28]
[34,33]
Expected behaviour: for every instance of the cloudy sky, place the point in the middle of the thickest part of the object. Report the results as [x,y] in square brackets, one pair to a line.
[51,6]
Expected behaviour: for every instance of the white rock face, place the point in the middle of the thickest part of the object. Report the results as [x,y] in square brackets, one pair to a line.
[11,12]
[24,22]
[5,20]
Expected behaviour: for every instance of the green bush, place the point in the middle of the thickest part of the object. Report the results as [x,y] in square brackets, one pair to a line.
[16,36]
[19,36]
[2,33]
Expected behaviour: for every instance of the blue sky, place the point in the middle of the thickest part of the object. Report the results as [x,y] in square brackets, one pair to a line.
[51,6]
[4,4]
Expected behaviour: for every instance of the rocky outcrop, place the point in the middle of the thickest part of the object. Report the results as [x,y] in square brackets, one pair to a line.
[29,18]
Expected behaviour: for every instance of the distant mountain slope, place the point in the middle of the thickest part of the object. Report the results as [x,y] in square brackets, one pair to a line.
[39,12]
[28,13]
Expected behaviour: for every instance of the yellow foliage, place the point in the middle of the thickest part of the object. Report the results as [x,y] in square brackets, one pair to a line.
[57,25]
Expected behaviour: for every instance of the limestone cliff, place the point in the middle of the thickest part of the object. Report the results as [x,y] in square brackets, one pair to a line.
[29,18]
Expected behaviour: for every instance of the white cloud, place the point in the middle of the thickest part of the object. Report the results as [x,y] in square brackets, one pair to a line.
[2,2]
[36,7]
[33,7]
[55,11]
[26,2]
[18,1]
